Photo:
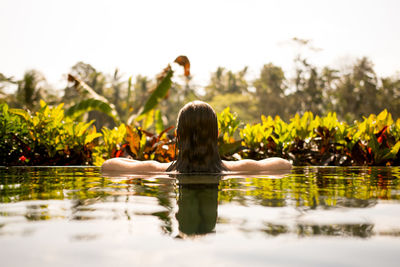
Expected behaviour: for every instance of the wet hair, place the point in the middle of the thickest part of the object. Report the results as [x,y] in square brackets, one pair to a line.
[197,140]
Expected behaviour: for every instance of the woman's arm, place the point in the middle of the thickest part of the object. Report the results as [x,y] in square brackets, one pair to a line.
[130,165]
[270,164]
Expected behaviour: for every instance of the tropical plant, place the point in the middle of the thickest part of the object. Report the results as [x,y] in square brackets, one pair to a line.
[309,140]
[48,137]
[376,139]
[94,100]
[45,138]
[270,90]
[228,124]
[30,89]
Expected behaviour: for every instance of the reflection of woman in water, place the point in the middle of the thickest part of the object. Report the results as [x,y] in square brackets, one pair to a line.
[198,203]
[197,137]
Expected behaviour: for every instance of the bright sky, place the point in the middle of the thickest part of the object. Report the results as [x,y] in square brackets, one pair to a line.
[142,37]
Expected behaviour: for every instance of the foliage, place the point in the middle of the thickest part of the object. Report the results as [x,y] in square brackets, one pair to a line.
[270,90]
[309,140]
[238,103]
[352,92]
[136,143]
[114,98]
[45,138]
[228,123]
[376,139]
[160,92]
[50,138]
[301,120]
[226,82]
[90,104]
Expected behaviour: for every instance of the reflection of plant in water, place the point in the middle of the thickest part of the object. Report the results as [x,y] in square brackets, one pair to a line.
[230,190]
[162,190]
[275,229]
[315,187]
[343,230]
[37,212]
[164,196]
[305,189]
[19,184]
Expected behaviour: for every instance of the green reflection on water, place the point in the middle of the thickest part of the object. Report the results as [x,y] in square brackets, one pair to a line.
[192,202]
[316,187]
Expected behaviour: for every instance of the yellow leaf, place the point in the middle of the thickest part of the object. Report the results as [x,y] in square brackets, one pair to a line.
[90,137]
[382,116]
[42,103]
[395,148]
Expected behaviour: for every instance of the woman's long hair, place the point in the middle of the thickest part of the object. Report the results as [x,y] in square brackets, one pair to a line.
[197,140]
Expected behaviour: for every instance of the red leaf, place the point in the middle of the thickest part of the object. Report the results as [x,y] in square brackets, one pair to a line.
[381,135]
[184,62]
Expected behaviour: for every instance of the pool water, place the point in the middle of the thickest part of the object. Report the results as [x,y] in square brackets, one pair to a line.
[312,216]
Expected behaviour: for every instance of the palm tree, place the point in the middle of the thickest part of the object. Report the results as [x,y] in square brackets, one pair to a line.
[30,89]
[4,83]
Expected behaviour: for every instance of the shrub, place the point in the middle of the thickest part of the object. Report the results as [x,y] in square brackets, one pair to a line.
[48,137]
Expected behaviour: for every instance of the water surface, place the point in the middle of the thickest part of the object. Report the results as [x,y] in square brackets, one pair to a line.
[311,216]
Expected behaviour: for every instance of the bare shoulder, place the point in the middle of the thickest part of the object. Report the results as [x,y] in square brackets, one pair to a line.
[130,165]
[270,164]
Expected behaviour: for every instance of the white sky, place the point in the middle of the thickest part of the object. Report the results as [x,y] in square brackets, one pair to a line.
[142,37]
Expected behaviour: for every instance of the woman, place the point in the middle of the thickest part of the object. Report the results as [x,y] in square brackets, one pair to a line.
[197,143]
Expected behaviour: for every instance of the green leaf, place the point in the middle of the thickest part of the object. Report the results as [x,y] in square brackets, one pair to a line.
[82,127]
[91,104]
[148,120]
[373,144]
[159,121]
[142,145]
[90,137]
[93,95]
[24,114]
[5,108]
[395,148]
[159,93]
[228,149]
[393,152]
[129,91]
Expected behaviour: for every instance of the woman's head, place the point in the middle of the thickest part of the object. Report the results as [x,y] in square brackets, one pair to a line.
[197,139]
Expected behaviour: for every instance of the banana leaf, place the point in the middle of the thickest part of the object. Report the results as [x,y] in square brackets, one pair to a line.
[95,102]
[89,105]
[158,94]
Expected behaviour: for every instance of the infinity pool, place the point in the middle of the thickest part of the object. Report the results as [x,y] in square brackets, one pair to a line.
[312,216]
